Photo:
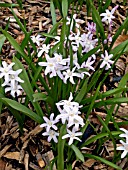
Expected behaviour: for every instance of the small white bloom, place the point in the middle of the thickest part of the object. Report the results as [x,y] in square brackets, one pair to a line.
[73,118]
[72,135]
[51,135]
[69,74]
[13,78]
[5,71]
[77,22]
[88,64]
[75,39]
[106,60]
[16,89]
[37,39]
[45,48]
[67,103]
[50,123]
[108,16]
[123,148]
[125,134]
[87,42]
[60,60]
[50,65]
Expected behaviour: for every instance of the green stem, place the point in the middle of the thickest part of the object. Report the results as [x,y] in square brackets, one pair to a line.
[61,143]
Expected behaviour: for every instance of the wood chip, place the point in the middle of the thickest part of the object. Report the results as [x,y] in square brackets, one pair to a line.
[89,163]
[4,150]
[2,165]
[33,132]
[119,40]
[12,155]
[40,161]
[26,161]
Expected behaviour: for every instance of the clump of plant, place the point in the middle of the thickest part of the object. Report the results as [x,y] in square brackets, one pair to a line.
[71,69]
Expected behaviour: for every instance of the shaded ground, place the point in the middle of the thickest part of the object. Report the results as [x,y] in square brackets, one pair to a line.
[31,150]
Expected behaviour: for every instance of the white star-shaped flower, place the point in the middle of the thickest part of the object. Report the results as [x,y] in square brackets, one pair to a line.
[51,135]
[37,39]
[5,71]
[45,48]
[50,65]
[123,148]
[13,78]
[72,135]
[15,90]
[67,103]
[125,134]
[108,16]
[106,62]
[49,123]
[69,74]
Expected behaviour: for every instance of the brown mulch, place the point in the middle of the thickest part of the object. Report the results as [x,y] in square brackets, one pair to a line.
[30,150]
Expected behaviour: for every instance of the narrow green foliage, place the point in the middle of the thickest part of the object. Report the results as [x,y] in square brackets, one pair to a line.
[82,92]
[27,85]
[103,161]
[53,14]
[2,39]
[61,143]
[78,153]
[64,8]
[99,136]
[21,108]
[8,5]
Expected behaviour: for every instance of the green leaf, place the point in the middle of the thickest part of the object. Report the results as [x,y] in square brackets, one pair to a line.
[39,96]
[18,117]
[53,13]
[99,136]
[2,39]
[82,92]
[103,160]
[78,153]
[111,102]
[64,8]
[88,54]
[61,143]
[27,85]
[19,107]
[8,5]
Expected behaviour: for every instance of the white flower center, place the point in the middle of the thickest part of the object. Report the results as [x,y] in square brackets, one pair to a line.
[52,133]
[12,76]
[72,135]
[108,15]
[49,123]
[71,114]
[69,73]
[106,59]
[76,121]
[50,64]
[6,70]
[68,103]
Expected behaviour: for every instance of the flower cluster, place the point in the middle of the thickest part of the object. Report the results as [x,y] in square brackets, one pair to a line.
[11,79]
[124,146]
[50,128]
[69,68]
[108,19]
[69,115]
